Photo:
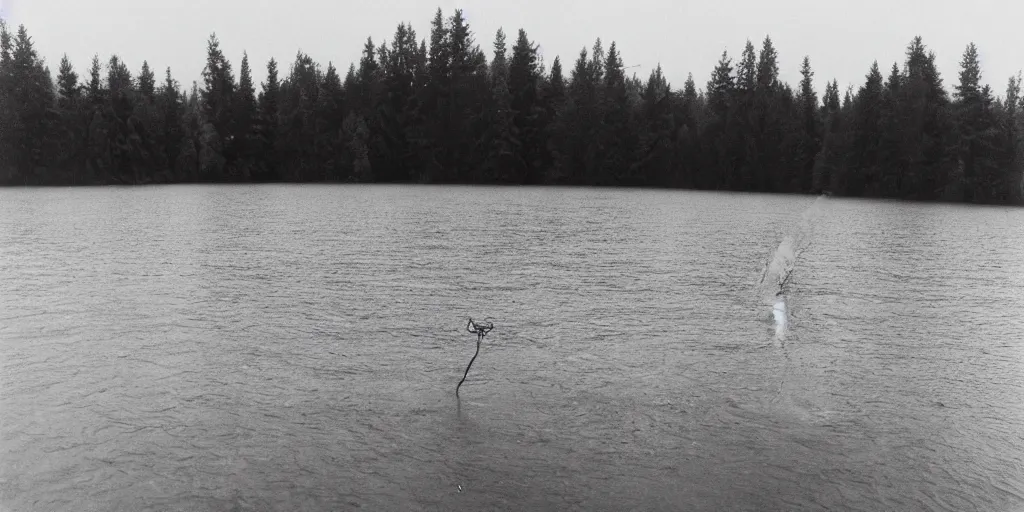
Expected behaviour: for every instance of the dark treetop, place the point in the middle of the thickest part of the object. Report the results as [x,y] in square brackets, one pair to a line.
[443,109]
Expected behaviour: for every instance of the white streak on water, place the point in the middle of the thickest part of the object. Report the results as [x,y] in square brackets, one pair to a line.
[778,269]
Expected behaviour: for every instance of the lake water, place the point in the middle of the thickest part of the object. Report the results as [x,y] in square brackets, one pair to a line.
[297,348]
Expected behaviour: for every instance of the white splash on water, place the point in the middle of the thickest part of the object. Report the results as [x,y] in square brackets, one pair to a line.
[779,267]
[779,311]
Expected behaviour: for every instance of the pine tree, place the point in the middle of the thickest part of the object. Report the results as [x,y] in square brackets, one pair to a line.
[149,125]
[926,125]
[368,91]
[743,125]
[97,154]
[300,94]
[505,156]
[68,130]
[329,121]
[891,160]
[6,46]
[468,100]
[617,135]
[217,151]
[690,115]
[417,122]
[396,111]
[147,82]
[8,119]
[267,129]
[523,82]
[188,163]
[720,171]
[170,104]
[119,79]
[746,71]
[437,108]
[654,164]
[1011,157]
[125,145]
[576,127]
[95,87]
[67,84]
[810,136]
[581,120]
[29,89]
[768,65]
[978,176]
[865,158]
[767,167]
[245,118]
[554,101]
[830,160]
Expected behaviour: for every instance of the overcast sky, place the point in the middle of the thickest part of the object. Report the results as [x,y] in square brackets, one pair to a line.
[841,38]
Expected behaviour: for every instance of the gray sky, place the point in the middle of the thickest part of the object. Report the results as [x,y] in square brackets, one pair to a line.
[683,35]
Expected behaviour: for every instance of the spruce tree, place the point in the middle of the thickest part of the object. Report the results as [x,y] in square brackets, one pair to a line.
[864,170]
[330,119]
[170,105]
[217,151]
[156,165]
[125,145]
[768,65]
[690,120]
[746,71]
[437,107]
[830,159]
[978,177]
[67,84]
[720,134]
[768,170]
[810,125]
[523,84]
[29,88]
[396,111]
[300,93]
[68,128]
[923,105]
[267,128]
[94,90]
[8,120]
[554,126]
[617,134]
[119,78]
[468,102]
[654,164]
[1011,157]
[6,46]
[147,82]
[892,163]
[574,125]
[505,156]
[245,118]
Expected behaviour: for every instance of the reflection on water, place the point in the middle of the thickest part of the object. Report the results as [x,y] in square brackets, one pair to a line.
[298,347]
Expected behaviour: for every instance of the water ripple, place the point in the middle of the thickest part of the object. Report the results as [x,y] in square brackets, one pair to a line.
[297,348]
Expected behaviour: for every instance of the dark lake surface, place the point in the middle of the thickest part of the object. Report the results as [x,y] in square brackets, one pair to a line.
[297,348]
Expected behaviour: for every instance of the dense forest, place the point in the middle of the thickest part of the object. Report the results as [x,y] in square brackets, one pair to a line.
[446,111]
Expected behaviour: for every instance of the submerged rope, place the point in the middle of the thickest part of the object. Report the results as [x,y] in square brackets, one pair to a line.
[480,330]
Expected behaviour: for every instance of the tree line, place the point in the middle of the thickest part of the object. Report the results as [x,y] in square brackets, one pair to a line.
[446,111]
